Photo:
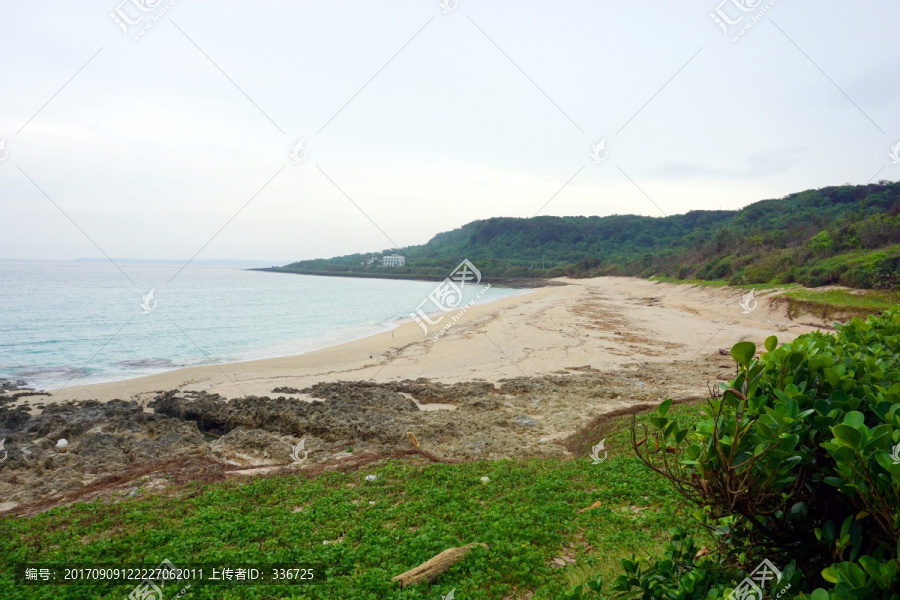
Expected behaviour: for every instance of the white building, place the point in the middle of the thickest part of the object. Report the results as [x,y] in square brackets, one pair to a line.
[394,260]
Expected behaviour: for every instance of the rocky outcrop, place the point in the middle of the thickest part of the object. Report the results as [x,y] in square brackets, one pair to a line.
[517,418]
[103,438]
[350,412]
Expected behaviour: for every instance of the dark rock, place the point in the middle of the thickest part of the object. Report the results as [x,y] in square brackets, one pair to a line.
[353,410]
[103,438]
[286,390]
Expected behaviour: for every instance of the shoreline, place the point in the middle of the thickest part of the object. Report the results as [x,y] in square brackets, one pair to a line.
[518,377]
[604,322]
[383,327]
[501,282]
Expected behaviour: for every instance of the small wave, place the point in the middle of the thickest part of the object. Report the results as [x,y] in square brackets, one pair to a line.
[145,363]
[57,371]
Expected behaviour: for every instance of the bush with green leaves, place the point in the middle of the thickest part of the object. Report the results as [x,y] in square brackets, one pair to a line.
[797,461]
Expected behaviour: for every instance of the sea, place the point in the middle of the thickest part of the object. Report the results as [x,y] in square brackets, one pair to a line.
[68,323]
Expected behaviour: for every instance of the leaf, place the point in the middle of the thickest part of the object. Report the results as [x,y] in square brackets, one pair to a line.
[771,343]
[854,418]
[887,463]
[664,407]
[833,378]
[743,352]
[847,436]
[819,594]
[659,422]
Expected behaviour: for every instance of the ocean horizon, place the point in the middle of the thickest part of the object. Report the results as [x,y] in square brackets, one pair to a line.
[78,322]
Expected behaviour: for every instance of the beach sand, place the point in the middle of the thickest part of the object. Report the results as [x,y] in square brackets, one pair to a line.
[552,362]
[604,323]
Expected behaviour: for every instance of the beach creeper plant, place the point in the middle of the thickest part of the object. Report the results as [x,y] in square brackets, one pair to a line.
[793,462]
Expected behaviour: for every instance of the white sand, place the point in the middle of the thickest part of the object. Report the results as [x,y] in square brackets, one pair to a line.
[603,322]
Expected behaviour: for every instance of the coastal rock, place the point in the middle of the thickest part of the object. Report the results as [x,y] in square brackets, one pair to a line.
[476,446]
[257,447]
[480,403]
[13,419]
[103,439]
[191,435]
[525,421]
[285,390]
[428,392]
[10,385]
[364,394]
[354,411]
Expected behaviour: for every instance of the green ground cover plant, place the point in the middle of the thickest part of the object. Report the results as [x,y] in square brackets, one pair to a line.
[528,513]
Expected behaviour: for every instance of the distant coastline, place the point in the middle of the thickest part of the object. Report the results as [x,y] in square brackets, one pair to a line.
[508,282]
[218,262]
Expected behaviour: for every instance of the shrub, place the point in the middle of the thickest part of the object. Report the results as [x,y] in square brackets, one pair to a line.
[716,269]
[796,461]
[821,243]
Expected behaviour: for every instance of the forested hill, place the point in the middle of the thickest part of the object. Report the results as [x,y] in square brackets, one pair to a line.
[845,234]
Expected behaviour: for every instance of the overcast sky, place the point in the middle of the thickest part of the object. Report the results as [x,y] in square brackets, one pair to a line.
[415,120]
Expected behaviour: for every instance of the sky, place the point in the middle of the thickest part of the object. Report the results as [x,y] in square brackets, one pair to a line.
[282,131]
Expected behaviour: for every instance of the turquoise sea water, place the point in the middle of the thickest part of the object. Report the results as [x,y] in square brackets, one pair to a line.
[72,322]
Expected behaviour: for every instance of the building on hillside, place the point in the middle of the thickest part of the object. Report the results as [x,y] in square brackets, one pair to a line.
[393,260]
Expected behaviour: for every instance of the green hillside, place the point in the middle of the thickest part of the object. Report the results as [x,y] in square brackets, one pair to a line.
[836,235]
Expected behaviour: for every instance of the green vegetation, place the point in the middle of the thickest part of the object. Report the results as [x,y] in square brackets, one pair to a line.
[847,235]
[700,282]
[845,302]
[827,304]
[795,462]
[527,513]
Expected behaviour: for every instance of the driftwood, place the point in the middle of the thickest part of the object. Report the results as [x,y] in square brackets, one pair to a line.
[433,567]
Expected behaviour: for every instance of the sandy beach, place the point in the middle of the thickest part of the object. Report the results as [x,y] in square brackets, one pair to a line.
[603,323]
[525,376]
